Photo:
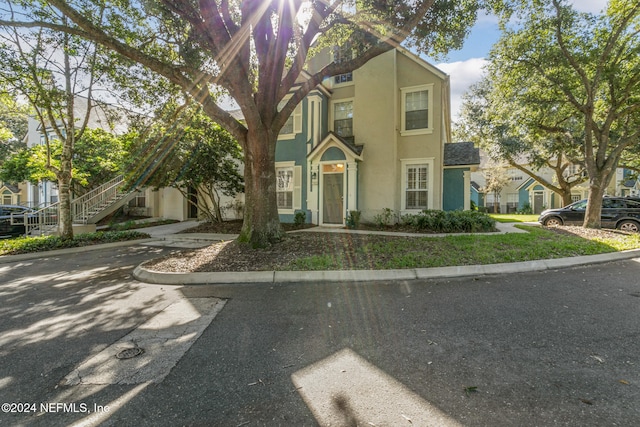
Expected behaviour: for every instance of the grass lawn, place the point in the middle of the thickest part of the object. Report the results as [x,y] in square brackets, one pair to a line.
[428,252]
[514,217]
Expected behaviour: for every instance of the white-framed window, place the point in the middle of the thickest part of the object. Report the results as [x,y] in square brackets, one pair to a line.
[139,200]
[284,187]
[340,55]
[417,111]
[417,184]
[293,126]
[288,186]
[343,118]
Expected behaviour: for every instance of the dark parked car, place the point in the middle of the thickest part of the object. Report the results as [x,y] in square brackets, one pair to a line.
[617,212]
[7,229]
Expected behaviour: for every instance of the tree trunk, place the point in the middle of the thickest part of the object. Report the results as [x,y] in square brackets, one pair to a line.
[599,180]
[261,225]
[594,205]
[64,191]
[566,198]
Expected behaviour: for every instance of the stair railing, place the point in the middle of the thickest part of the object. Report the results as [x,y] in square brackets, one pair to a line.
[83,207]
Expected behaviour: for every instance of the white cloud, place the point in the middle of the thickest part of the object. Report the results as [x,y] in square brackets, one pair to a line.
[591,6]
[462,75]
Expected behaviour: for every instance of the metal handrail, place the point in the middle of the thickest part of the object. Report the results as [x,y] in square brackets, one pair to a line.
[84,205]
[48,216]
[40,219]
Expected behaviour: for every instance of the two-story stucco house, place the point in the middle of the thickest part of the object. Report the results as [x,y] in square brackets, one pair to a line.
[378,138]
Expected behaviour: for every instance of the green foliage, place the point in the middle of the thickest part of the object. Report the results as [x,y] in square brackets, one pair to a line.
[385,218]
[436,221]
[24,245]
[13,125]
[17,168]
[231,49]
[99,156]
[353,219]
[526,209]
[300,218]
[566,84]
[185,149]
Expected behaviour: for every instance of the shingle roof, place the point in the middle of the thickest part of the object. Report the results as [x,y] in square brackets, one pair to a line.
[461,153]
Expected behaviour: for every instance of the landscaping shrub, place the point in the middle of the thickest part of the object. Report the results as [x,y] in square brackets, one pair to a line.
[25,245]
[353,219]
[450,221]
[385,218]
[300,218]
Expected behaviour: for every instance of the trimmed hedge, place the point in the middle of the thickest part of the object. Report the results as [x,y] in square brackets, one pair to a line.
[449,221]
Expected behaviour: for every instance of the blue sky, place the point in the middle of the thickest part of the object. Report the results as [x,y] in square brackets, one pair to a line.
[465,65]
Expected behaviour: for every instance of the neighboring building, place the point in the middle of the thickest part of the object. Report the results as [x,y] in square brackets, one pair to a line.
[523,192]
[377,138]
[11,194]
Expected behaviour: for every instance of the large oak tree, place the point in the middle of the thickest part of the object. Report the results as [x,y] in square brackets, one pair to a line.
[526,133]
[578,75]
[255,52]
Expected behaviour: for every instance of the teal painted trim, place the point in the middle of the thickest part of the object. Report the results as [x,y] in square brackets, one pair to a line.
[333,154]
[289,218]
[475,196]
[296,150]
[453,196]
[538,188]
[523,198]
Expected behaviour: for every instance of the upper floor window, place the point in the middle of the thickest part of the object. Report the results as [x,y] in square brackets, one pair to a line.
[343,119]
[293,125]
[340,55]
[417,114]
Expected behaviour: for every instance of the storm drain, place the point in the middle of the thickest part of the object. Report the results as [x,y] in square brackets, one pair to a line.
[130,353]
[153,348]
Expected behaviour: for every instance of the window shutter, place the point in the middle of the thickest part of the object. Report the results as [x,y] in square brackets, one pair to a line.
[297,119]
[297,187]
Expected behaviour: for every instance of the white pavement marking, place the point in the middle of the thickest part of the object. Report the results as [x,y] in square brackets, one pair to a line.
[164,338]
[345,389]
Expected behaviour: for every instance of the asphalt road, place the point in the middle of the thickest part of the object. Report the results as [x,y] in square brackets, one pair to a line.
[550,348]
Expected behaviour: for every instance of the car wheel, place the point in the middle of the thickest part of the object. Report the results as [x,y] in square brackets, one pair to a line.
[629,225]
[554,221]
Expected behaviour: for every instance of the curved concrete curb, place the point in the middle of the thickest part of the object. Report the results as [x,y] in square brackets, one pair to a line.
[149,276]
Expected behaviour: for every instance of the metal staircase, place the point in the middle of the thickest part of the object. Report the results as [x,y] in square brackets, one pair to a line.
[100,202]
[86,209]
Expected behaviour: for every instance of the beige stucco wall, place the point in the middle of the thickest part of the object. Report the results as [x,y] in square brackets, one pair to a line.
[410,73]
[377,107]
[374,126]
[172,204]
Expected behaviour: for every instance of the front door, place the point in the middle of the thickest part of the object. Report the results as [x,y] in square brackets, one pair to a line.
[332,198]
[538,202]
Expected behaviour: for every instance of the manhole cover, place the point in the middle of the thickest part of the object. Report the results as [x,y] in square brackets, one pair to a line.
[129,353]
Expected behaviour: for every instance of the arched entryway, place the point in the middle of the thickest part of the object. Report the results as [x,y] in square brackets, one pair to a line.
[333,168]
